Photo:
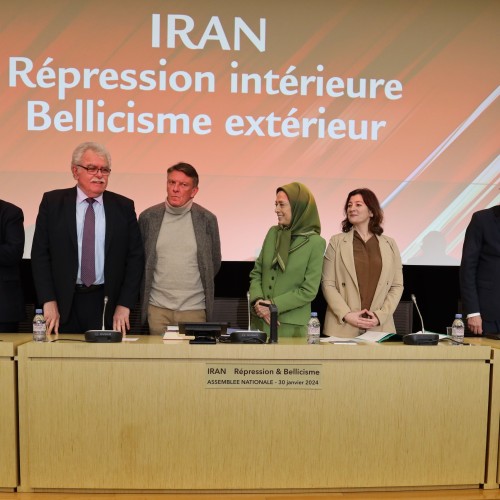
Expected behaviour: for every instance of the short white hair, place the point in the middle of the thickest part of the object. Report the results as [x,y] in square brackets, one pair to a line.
[97,148]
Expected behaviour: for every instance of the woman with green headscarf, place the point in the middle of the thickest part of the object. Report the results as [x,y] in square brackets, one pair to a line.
[287,272]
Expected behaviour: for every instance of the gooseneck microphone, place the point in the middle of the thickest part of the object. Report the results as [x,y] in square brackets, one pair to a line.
[420,338]
[103,335]
[248,310]
[104,311]
[414,300]
[248,336]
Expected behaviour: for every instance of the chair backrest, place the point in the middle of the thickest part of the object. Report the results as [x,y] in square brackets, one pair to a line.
[26,325]
[231,310]
[136,327]
[403,317]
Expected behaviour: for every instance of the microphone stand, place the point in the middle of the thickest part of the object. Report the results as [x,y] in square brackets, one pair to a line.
[248,311]
[420,338]
[104,312]
[103,335]
[273,330]
[414,300]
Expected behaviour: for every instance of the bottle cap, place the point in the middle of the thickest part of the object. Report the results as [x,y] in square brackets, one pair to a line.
[38,311]
[314,314]
[458,316]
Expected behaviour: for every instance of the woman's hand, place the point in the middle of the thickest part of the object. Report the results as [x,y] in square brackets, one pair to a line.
[364,320]
[262,311]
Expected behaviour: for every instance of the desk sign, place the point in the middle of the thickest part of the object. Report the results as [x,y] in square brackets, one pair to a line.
[263,376]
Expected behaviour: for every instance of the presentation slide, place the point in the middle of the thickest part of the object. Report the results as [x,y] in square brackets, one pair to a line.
[399,96]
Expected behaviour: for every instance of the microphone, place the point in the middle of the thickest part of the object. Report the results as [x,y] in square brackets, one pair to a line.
[104,311]
[248,309]
[103,335]
[414,300]
[248,336]
[420,338]
[273,330]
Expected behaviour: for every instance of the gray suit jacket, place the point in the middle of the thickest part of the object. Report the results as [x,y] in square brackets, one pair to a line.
[206,232]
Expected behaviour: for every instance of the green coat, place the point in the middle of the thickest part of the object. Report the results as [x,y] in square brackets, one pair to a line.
[291,291]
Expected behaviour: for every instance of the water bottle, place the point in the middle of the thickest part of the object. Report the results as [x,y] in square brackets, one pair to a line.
[457,328]
[39,326]
[313,329]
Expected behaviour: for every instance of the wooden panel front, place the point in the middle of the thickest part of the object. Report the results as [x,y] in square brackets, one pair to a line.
[93,419]
[8,409]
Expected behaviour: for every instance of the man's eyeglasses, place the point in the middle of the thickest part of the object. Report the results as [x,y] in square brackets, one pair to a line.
[92,169]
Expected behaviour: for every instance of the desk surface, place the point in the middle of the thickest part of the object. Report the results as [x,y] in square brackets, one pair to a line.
[154,347]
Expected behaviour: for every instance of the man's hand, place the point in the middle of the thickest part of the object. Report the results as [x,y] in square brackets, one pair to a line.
[51,314]
[475,324]
[121,319]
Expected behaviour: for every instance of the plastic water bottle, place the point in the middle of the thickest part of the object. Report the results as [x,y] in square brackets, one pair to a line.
[458,328]
[313,329]
[39,327]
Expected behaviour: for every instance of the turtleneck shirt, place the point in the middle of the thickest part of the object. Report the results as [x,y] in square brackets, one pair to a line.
[176,280]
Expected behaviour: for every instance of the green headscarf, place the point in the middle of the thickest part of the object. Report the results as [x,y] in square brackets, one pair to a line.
[305,221]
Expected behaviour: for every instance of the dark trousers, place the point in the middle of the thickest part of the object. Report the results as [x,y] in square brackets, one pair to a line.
[86,311]
[491,326]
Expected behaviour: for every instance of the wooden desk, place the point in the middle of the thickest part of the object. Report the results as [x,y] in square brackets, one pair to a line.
[493,456]
[146,416]
[8,409]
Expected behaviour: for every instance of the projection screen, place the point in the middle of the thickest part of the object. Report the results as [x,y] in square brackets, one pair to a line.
[400,96]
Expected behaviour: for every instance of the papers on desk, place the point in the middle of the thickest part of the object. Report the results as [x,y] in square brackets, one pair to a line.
[451,339]
[368,336]
[172,333]
[375,337]
[339,340]
[176,336]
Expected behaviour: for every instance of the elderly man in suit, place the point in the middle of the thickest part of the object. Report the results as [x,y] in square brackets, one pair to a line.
[480,272]
[11,254]
[87,246]
[183,255]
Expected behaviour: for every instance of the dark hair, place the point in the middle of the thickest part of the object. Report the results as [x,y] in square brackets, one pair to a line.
[187,169]
[371,201]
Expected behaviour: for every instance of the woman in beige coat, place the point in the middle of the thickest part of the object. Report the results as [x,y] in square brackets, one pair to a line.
[362,279]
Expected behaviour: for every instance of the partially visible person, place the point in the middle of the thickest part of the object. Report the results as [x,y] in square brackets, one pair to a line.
[362,278]
[480,272]
[287,272]
[11,254]
[87,246]
[183,255]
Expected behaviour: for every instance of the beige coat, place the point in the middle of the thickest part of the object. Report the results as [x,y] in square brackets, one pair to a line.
[340,285]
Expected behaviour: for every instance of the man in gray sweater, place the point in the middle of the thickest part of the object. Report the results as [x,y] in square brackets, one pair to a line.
[183,255]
